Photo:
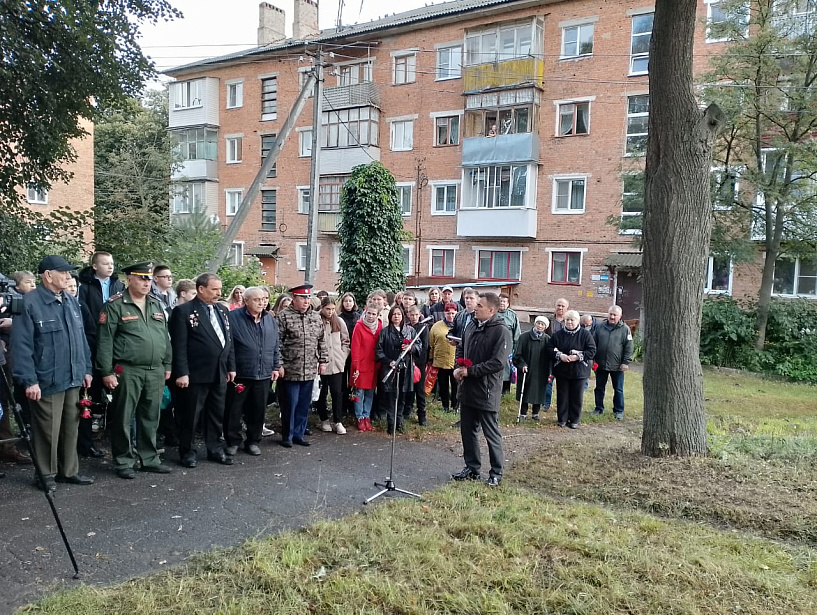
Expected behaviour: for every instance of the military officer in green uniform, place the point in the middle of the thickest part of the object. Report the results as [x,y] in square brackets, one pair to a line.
[134,357]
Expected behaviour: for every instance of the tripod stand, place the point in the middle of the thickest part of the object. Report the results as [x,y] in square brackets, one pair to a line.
[389,486]
[25,436]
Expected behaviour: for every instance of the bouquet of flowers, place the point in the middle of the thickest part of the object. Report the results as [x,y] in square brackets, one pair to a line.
[463,362]
[354,396]
[85,404]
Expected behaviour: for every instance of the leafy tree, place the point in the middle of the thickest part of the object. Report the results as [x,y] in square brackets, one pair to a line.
[766,84]
[133,161]
[371,227]
[61,62]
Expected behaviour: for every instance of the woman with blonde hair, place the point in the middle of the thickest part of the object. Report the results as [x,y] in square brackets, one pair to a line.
[236,298]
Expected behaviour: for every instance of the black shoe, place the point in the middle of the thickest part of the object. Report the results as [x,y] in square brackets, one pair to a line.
[286,443]
[126,473]
[189,460]
[231,450]
[92,452]
[157,469]
[573,425]
[457,424]
[493,481]
[301,442]
[221,458]
[76,479]
[536,417]
[422,422]
[561,424]
[466,474]
[50,484]
[597,411]
[307,432]
[252,449]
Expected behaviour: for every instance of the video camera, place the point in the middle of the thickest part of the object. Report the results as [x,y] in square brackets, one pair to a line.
[11,302]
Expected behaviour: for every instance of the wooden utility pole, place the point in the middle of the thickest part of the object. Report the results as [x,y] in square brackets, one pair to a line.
[314,175]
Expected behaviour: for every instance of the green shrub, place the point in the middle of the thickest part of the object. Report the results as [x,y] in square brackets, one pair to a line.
[727,333]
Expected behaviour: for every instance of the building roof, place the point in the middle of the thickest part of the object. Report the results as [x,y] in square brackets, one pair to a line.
[407,18]
[624,260]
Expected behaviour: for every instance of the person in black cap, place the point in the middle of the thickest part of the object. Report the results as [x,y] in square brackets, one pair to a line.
[133,358]
[51,362]
[303,355]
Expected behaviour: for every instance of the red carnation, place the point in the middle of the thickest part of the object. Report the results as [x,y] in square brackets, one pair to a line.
[85,403]
[354,399]
[118,369]
[595,366]
[550,378]
[239,388]
[465,362]
[406,341]
[86,414]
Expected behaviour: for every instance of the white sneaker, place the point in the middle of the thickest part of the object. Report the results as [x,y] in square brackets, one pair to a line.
[326,426]
[340,429]
[266,432]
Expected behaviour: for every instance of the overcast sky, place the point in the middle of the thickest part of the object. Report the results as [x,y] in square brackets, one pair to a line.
[216,27]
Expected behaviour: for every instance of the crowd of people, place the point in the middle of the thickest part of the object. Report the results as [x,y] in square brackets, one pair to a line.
[171,364]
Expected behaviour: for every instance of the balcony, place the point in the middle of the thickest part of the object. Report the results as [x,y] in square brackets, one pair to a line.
[341,160]
[357,95]
[497,222]
[189,170]
[502,149]
[504,74]
[328,222]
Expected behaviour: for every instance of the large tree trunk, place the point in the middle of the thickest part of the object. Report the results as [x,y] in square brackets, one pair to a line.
[677,228]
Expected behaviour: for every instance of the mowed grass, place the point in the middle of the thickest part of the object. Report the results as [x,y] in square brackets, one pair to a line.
[583,525]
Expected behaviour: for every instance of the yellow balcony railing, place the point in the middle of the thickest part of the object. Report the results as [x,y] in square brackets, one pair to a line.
[328,221]
[503,74]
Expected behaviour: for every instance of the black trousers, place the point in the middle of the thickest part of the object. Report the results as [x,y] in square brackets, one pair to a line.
[569,399]
[446,383]
[388,399]
[207,401]
[471,419]
[331,384]
[418,393]
[524,410]
[251,403]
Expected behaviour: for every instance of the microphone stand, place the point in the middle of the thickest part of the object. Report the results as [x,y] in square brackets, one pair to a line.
[389,486]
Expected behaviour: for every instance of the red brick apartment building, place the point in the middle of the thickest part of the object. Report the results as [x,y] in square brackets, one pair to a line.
[511,127]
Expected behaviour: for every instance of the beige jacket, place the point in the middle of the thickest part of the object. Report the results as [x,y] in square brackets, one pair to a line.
[337,344]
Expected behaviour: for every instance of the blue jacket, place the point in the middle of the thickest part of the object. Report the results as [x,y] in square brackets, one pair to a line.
[257,348]
[48,343]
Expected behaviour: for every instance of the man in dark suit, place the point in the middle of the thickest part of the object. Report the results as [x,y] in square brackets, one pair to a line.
[203,365]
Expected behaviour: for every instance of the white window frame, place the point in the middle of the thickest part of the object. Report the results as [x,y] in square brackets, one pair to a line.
[588,100]
[550,252]
[302,246]
[235,147]
[454,68]
[188,94]
[183,189]
[402,129]
[629,115]
[709,39]
[355,71]
[304,142]
[235,86]
[232,201]
[796,289]
[37,196]
[235,255]
[404,66]
[452,248]
[489,197]
[710,269]
[302,191]
[409,264]
[458,117]
[401,187]
[447,185]
[270,115]
[555,209]
[589,23]
[641,55]
[478,249]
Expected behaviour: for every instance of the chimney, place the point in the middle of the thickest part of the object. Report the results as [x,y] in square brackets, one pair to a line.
[306,19]
[271,21]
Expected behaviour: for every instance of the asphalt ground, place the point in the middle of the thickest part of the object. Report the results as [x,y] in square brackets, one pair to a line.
[120,529]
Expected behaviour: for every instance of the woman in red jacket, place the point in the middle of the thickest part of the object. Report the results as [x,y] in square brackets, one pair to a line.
[364,369]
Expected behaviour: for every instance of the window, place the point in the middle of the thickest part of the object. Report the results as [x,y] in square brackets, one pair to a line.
[449,62]
[269,210]
[407,260]
[267,141]
[352,74]
[235,257]
[349,128]
[500,121]
[269,98]
[188,94]
[565,267]
[301,249]
[336,257]
[499,265]
[723,21]
[447,130]
[716,15]
[640,44]
[329,190]
[234,146]
[233,201]
[795,277]
[504,42]
[402,136]
[574,119]
[235,95]
[499,186]
[638,116]
[195,144]
[569,195]
[405,68]
[188,198]
[718,275]
[577,41]
[305,143]
[442,262]
[36,195]
[445,199]
[404,192]
[632,204]
[303,199]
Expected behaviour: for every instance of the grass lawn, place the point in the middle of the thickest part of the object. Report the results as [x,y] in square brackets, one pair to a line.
[582,525]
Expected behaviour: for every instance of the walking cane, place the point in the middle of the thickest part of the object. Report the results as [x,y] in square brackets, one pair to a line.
[521,397]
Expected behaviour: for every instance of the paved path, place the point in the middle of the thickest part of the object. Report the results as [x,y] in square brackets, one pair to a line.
[120,529]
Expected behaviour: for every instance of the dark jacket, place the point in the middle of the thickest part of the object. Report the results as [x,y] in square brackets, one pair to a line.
[350,319]
[532,352]
[90,291]
[461,322]
[388,349]
[437,311]
[614,345]
[422,356]
[256,346]
[554,326]
[48,343]
[566,341]
[197,351]
[487,346]
[89,326]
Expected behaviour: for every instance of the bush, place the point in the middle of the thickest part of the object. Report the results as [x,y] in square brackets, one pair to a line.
[727,333]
